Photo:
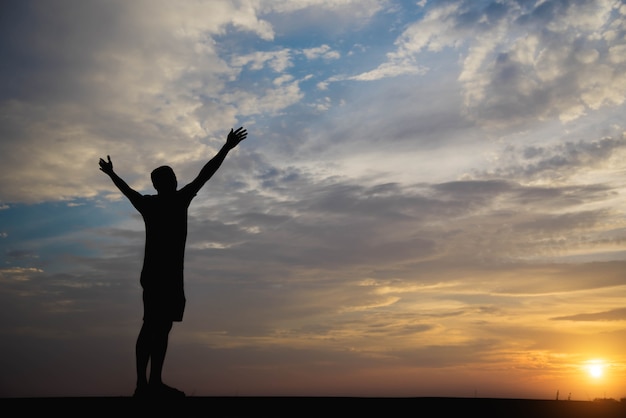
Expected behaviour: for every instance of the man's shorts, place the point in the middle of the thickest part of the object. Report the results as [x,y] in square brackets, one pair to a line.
[163,305]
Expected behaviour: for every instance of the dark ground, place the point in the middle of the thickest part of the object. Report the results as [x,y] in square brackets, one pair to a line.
[311,407]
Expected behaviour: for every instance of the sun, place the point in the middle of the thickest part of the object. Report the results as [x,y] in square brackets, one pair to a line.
[595,368]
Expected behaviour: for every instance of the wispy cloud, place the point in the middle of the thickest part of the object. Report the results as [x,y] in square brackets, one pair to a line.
[612,315]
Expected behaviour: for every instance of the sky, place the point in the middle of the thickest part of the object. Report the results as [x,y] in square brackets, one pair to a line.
[431,200]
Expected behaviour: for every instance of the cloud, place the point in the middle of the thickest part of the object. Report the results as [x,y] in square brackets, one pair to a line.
[329,227]
[142,79]
[611,315]
[560,69]
[323,51]
[126,78]
[271,101]
[279,61]
[98,92]
[385,70]
[520,61]
[308,16]
[19,254]
[18,273]
[559,162]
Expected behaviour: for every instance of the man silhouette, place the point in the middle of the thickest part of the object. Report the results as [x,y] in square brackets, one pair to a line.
[165,219]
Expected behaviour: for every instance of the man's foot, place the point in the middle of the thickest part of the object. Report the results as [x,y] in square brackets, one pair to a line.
[161,389]
[142,391]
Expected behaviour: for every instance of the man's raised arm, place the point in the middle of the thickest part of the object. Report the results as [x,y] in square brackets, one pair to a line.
[107,168]
[233,139]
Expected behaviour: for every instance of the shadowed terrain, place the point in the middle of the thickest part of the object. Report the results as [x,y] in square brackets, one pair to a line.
[316,407]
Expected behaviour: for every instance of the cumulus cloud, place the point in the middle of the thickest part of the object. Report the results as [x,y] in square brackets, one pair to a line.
[126,80]
[277,60]
[521,60]
[323,51]
[138,79]
[561,70]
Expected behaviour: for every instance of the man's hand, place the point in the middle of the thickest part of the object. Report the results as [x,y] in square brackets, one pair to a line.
[235,137]
[106,167]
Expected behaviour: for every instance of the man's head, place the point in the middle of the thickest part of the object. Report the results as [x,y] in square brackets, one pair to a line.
[164,179]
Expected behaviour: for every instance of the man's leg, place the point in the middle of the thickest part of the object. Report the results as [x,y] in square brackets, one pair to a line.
[158,349]
[159,342]
[142,356]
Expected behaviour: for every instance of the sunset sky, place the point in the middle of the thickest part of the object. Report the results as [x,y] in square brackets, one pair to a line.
[431,200]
